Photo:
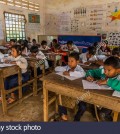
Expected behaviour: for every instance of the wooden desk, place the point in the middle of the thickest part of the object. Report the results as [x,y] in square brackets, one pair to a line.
[74,89]
[53,57]
[92,66]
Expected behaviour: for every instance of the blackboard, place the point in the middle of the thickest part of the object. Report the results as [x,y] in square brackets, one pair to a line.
[82,41]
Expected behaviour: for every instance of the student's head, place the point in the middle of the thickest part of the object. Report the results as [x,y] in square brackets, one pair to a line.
[34,41]
[95,44]
[44,44]
[112,66]
[73,59]
[91,51]
[116,52]
[69,44]
[16,50]
[34,50]
[24,44]
[12,42]
[54,41]
[104,44]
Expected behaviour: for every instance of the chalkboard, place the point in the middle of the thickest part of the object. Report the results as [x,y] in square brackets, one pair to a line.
[83,41]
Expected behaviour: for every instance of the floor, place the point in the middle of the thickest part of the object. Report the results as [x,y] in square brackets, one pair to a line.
[31,110]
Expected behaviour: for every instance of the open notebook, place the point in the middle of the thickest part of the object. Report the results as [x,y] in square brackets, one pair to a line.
[6,65]
[116,93]
[94,85]
[68,77]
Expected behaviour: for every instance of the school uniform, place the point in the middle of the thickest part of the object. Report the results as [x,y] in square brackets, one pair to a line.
[1,56]
[78,72]
[83,58]
[46,48]
[12,81]
[65,48]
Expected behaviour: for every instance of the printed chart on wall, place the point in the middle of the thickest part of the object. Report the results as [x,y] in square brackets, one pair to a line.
[113,17]
[96,17]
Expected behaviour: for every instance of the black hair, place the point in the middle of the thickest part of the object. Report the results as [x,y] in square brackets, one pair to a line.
[17,48]
[33,40]
[57,46]
[34,49]
[74,55]
[24,44]
[113,61]
[116,51]
[44,42]
[54,40]
[70,42]
[13,40]
[95,44]
[92,50]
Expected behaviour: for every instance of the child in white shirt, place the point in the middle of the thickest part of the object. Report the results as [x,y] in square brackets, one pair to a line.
[88,57]
[17,59]
[44,45]
[72,69]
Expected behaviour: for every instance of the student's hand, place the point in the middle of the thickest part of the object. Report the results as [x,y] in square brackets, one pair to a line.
[66,73]
[102,82]
[7,61]
[90,78]
[12,62]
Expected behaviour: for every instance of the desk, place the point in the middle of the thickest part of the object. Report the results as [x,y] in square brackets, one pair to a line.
[92,66]
[54,57]
[74,89]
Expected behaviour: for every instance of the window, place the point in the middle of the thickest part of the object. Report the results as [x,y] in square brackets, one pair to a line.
[15,26]
[26,4]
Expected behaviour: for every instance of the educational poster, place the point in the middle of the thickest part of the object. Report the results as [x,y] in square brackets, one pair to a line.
[114,38]
[113,17]
[51,24]
[33,18]
[96,17]
[64,22]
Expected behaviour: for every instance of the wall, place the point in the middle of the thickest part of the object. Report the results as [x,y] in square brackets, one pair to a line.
[61,17]
[30,31]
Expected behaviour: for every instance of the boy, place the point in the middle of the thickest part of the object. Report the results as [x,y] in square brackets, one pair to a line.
[72,69]
[44,45]
[109,75]
[88,57]
[70,47]
[39,55]
[116,52]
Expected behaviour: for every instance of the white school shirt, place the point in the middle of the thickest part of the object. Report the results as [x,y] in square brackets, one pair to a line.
[47,48]
[75,48]
[83,58]
[78,71]
[20,61]
[40,55]
[1,55]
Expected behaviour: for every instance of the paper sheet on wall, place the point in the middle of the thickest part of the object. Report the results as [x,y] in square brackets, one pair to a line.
[68,77]
[93,85]
[1,31]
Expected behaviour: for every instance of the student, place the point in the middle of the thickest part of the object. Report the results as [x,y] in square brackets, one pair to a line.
[88,57]
[70,47]
[72,69]
[17,59]
[104,49]
[116,52]
[24,48]
[1,56]
[39,55]
[44,45]
[109,75]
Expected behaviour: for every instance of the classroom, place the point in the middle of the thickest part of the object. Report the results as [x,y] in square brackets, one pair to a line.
[59,60]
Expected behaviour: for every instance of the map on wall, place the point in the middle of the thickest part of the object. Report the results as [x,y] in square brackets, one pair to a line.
[33,18]
[113,17]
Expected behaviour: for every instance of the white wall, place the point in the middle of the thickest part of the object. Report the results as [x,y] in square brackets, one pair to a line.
[64,8]
[30,33]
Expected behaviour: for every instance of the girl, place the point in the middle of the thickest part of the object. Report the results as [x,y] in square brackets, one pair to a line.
[12,81]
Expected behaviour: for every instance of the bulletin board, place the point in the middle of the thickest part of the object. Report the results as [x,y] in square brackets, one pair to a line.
[33,18]
[81,40]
